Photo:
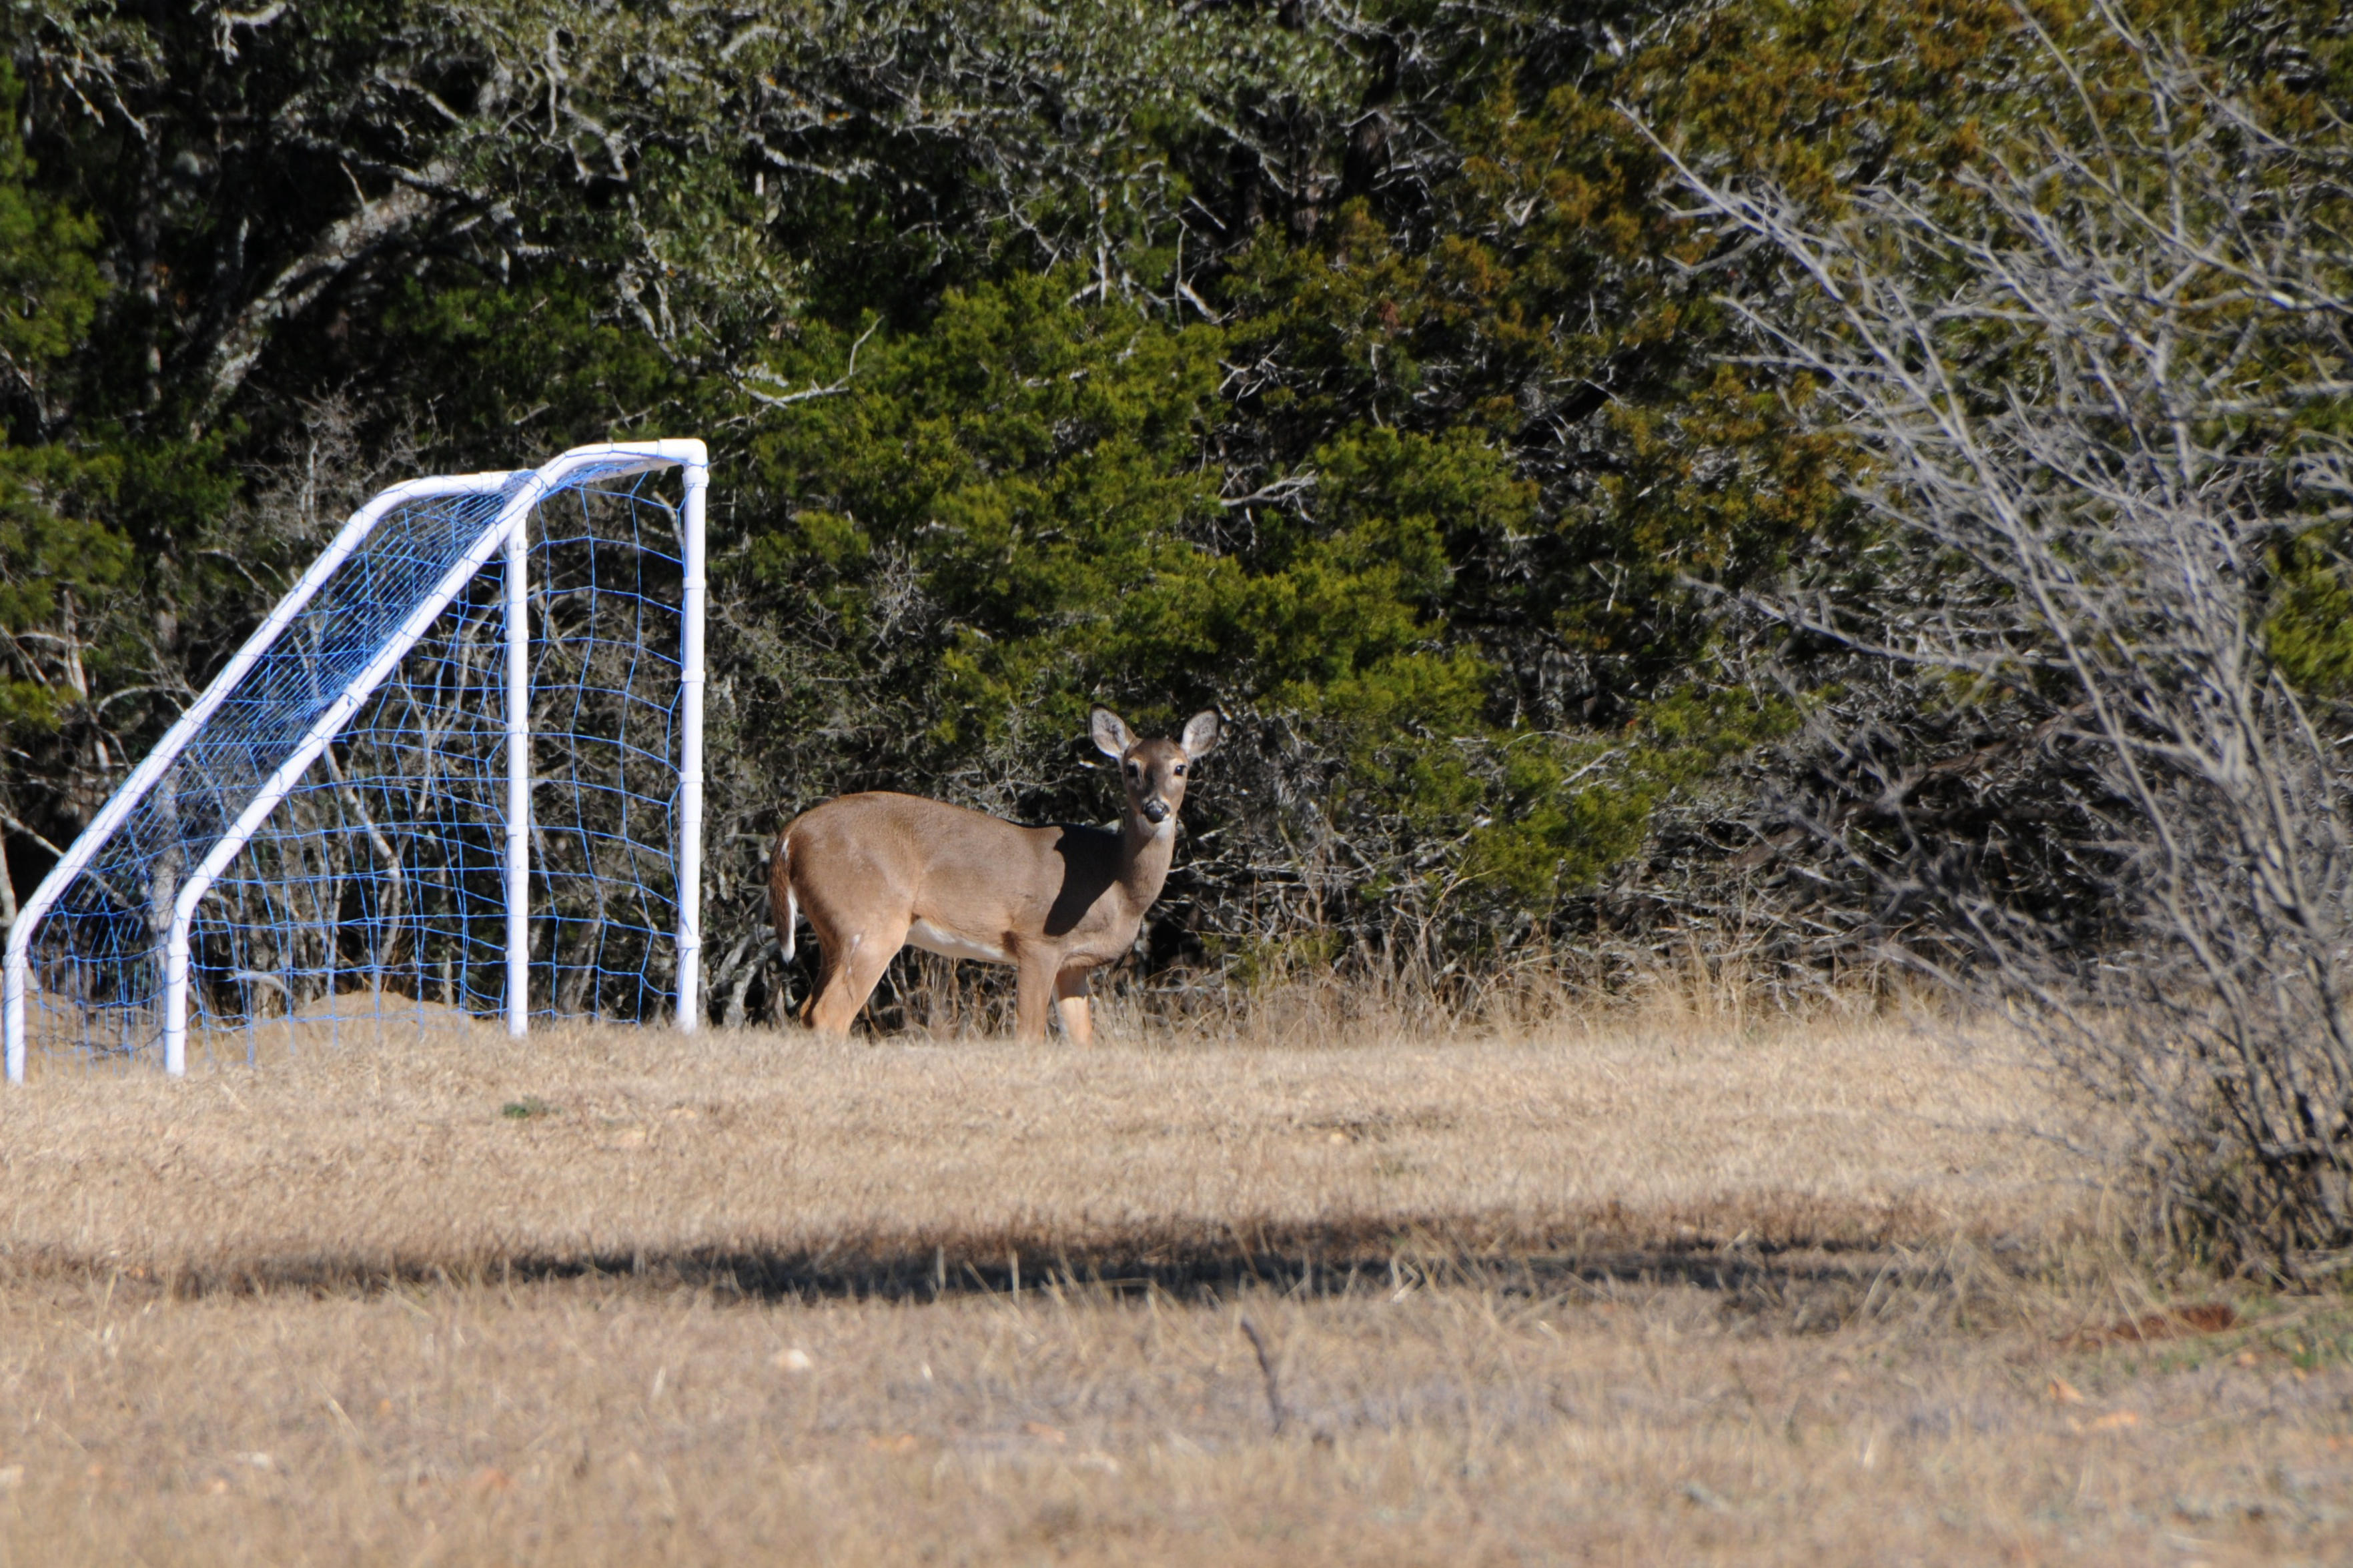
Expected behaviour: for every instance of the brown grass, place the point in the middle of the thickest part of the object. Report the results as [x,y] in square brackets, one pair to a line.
[1645,1289]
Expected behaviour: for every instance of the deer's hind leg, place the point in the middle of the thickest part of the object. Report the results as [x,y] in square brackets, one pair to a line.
[852,963]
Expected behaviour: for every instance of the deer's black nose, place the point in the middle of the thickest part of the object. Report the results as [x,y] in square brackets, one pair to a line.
[1155,812]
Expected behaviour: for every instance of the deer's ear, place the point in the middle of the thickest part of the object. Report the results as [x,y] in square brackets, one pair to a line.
[1110,735]
[1201,733]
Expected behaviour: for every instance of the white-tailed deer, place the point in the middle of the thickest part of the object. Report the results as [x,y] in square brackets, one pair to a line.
[874,872]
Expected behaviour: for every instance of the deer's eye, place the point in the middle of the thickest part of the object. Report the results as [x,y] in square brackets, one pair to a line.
[1180,770]
[1133,771]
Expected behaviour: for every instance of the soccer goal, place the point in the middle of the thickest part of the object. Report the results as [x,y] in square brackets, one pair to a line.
[457,770]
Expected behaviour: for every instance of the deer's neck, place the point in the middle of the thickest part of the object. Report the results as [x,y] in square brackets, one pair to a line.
[1144,855]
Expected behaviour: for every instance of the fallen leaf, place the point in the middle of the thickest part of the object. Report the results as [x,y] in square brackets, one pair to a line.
[904,1443]
[2209,1318]
[2065,1392]
[11,1476]
[490,1479]
[793,1360]
[2205,1318]
[384,1407]
[2114,1421]
[1043,1433]
[1337,1138]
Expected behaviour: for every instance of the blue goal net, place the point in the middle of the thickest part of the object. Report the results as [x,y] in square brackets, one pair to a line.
[329,838]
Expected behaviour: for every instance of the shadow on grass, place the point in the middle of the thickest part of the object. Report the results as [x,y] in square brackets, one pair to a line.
[1805,1282]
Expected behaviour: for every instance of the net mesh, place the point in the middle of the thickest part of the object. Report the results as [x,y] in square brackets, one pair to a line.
[374,892]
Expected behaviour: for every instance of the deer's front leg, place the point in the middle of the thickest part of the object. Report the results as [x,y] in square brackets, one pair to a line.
[1070,994]
[1033,987]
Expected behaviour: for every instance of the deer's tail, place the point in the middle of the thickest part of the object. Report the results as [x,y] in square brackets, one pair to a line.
[783,907]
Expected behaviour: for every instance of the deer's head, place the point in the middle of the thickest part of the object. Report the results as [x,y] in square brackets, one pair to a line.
[1153,771]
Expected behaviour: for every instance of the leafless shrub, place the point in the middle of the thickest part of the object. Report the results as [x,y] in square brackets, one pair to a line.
[2080,379]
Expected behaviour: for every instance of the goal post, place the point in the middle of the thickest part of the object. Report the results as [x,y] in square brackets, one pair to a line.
[476,665]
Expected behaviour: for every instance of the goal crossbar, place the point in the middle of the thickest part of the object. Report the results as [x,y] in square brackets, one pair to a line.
[485,516]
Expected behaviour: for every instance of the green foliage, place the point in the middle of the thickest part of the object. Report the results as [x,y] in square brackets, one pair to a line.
[544,365]
[1033,466]
[1038,463]
[2310,629]
[49,284]
[48,556]
[50,549]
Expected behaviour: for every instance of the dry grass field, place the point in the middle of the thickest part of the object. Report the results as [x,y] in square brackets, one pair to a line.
[1643,1289]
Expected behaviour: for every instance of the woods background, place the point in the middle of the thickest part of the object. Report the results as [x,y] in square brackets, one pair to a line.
[1408,381]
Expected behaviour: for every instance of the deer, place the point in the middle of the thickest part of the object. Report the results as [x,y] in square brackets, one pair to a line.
[877,871]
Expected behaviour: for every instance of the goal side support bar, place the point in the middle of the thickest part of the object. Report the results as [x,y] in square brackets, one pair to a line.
[518,727]
[689,816]
[508,532]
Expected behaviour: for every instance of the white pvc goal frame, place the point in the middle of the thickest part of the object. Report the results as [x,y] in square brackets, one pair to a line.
[505,535]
